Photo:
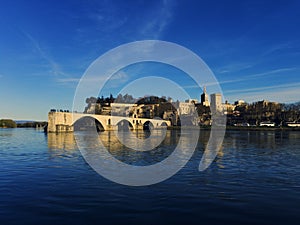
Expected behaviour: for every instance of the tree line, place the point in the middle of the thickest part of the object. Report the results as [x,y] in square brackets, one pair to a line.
[261,111]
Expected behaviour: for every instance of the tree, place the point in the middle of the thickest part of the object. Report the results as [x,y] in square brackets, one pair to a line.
[7,123]
[91,100]
[119,98]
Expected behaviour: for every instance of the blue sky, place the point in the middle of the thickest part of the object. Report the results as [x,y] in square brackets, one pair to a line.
[252,47]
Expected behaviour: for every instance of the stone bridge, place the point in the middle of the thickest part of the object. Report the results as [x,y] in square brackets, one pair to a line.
[64,121]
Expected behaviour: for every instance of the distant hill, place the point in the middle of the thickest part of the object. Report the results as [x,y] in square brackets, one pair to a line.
[30,123]
[24,121]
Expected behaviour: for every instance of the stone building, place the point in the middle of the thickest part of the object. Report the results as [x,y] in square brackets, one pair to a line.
[216,102]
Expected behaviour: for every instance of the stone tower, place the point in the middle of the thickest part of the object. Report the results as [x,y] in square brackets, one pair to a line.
[216,102]
[204,98]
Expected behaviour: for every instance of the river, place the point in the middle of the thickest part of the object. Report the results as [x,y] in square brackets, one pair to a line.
[255,179]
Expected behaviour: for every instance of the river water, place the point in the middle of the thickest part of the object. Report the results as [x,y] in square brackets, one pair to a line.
[254,179]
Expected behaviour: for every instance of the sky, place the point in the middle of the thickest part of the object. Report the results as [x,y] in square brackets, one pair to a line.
[252,48]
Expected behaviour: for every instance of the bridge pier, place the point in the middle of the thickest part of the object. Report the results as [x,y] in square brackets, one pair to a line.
[59,122]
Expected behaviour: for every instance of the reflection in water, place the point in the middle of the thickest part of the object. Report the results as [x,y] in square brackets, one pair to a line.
[265,142]
[61,145]
[212,148]
[259,184]
[6,132]
[144,140]
[121,164]
[58,142]
[124,152]
[62,141]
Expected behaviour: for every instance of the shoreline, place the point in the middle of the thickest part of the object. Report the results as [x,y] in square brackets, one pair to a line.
[243,128]
[207,128]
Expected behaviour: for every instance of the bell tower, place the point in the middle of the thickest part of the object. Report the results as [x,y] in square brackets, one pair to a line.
[204,98]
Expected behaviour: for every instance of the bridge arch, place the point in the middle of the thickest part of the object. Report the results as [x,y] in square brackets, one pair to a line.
[163,124]
[148,125]
[65,122]
[89,123]
[124,125]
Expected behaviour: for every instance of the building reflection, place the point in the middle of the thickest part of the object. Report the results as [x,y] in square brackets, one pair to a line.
[294,135]
[62,141]
[111,141]
[219,157]
[60,144]
[213,144]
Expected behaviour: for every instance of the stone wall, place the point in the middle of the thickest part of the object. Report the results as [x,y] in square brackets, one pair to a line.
[60,122]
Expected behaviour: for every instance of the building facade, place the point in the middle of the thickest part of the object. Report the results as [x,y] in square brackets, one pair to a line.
[216,102]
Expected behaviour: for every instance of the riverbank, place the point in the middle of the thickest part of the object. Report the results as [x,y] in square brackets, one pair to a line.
[264,128]
[252,128]
[205,128]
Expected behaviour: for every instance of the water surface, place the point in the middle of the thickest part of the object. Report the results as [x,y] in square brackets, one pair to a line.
[254,180]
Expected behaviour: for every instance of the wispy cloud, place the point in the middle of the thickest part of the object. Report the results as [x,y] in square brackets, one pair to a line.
[234,68]
[55,67]
[112,24]
[277,48]
[256,75]
[106,21]
[247,77]
[118,78]
[280,86]
[68,80]
[284,94]
[157,21]
[106,17]
[274,71]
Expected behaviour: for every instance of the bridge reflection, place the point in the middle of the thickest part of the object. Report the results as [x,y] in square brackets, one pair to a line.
[235,144]
[66,143]
[61,141]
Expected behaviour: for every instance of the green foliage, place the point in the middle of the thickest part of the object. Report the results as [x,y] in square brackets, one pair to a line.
[7,123]
[151,100]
